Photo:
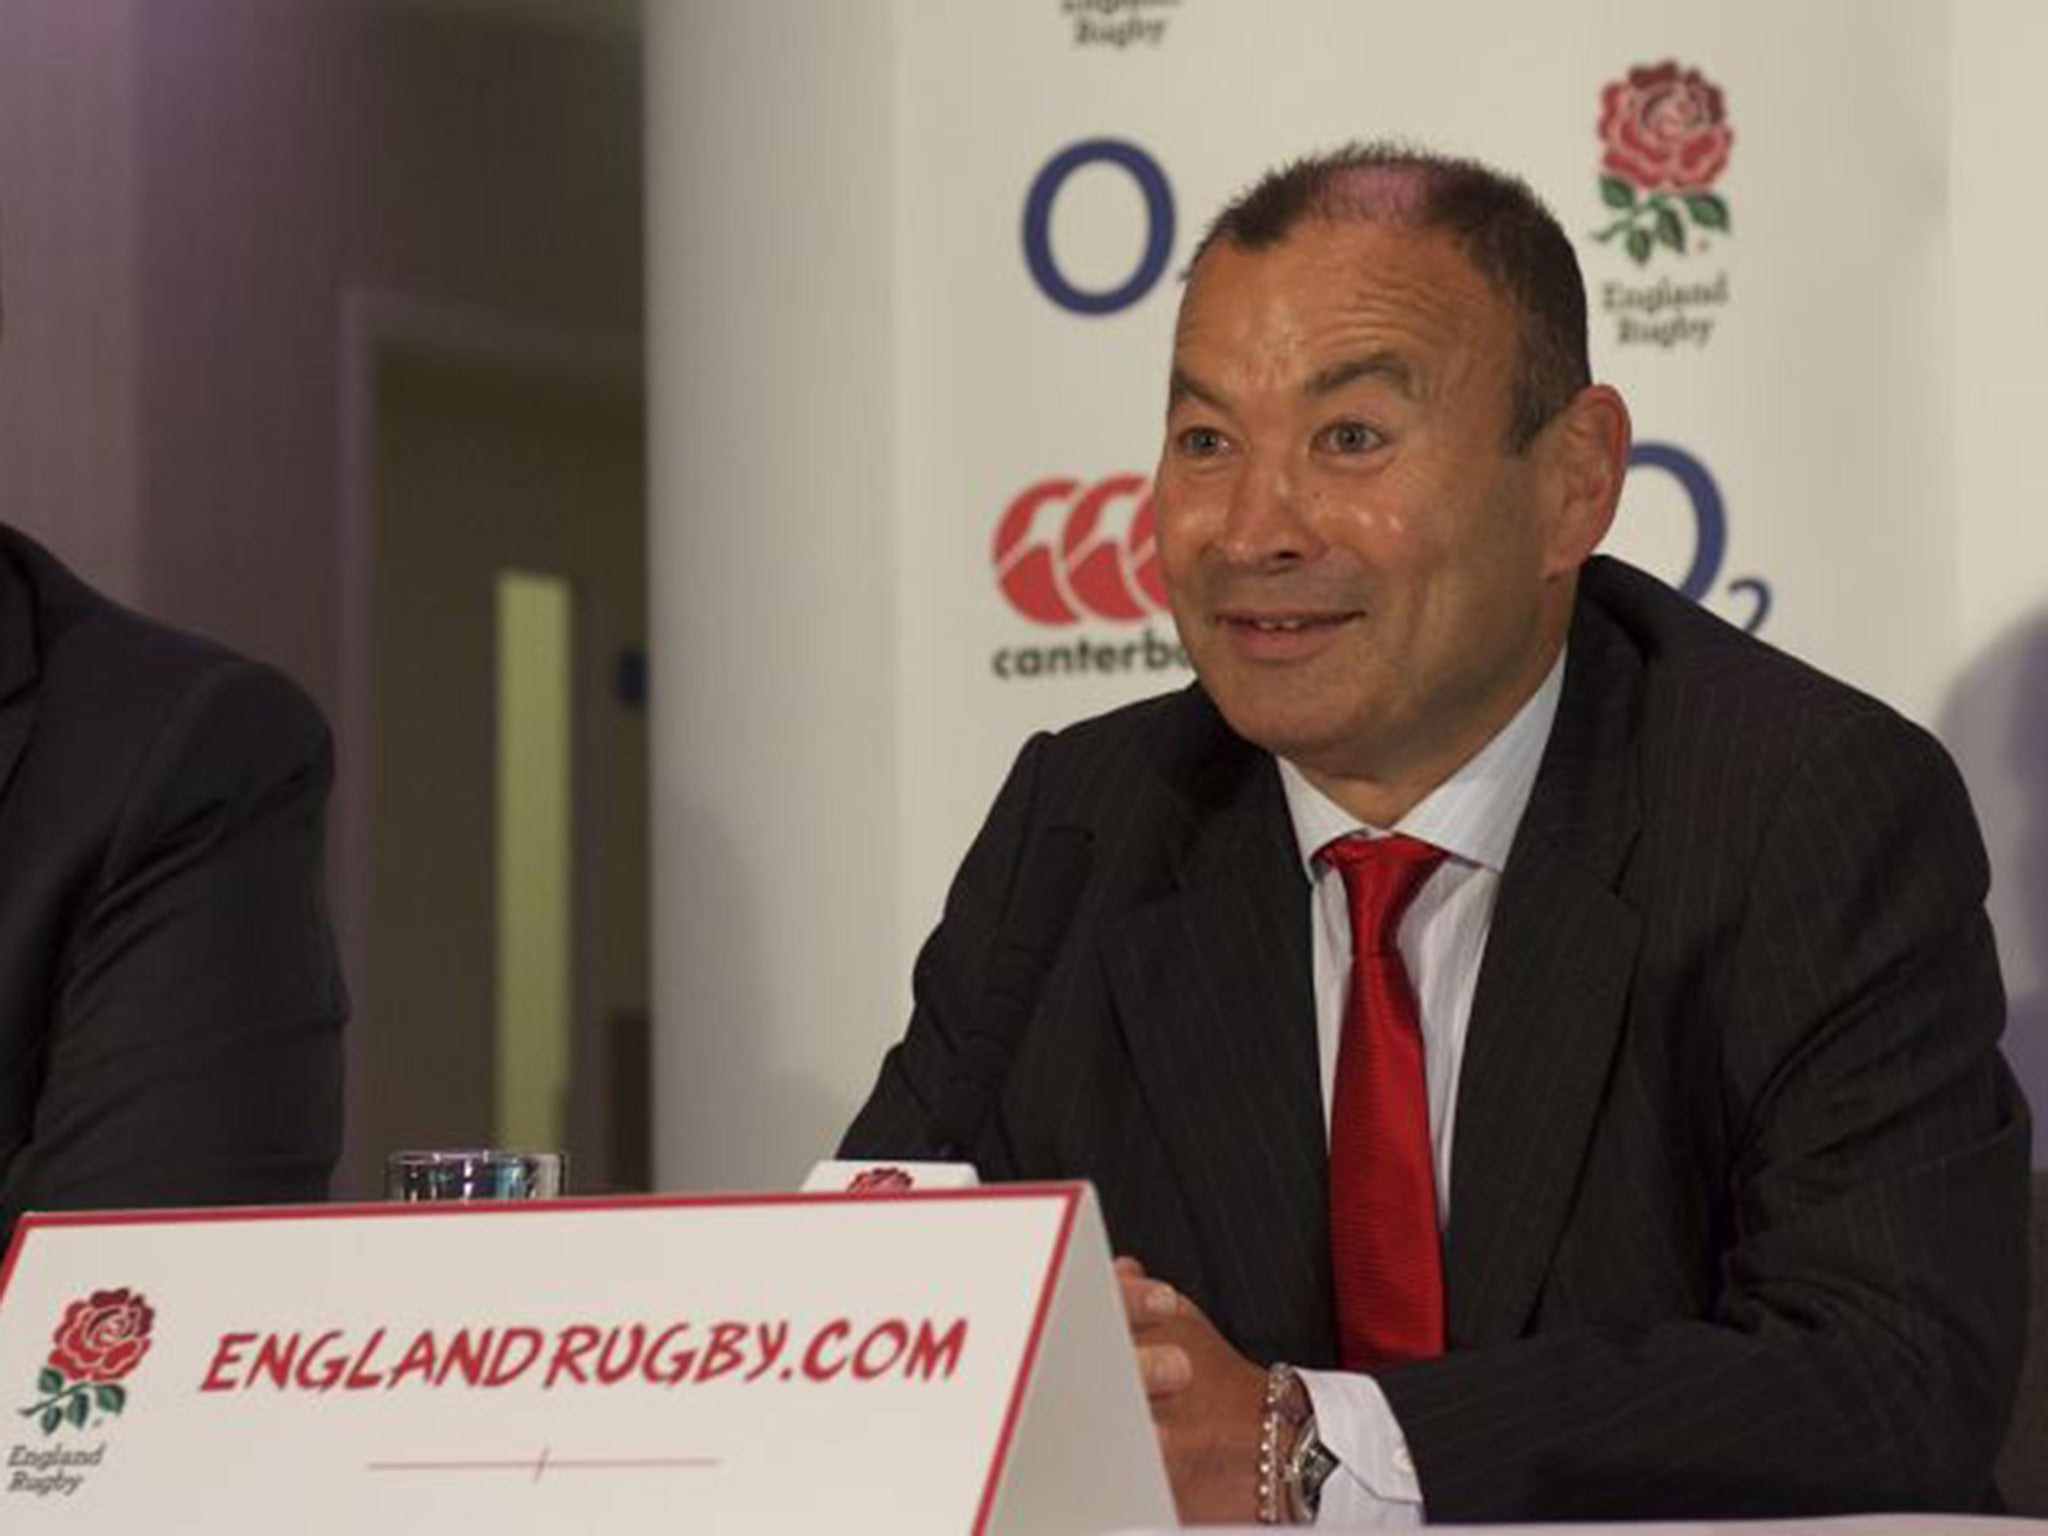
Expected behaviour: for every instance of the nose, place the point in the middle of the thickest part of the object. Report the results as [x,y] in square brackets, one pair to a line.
[1265,525]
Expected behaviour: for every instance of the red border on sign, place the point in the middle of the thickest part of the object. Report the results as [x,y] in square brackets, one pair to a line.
[1030,1356]
[1070,1194]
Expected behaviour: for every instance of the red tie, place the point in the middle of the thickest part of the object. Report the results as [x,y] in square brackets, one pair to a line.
[1385,1250]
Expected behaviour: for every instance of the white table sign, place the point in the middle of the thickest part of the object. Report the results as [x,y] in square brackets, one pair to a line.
[945,1361]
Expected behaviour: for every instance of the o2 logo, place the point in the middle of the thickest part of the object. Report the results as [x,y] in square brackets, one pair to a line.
[1710,529]
[1038,207]
[1064,552]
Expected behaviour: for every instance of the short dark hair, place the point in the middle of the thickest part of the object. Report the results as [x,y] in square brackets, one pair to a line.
[1502,227]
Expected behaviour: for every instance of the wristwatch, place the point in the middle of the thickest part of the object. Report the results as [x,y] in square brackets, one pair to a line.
[1307,1462]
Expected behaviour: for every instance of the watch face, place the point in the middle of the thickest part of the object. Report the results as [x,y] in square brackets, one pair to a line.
[1311,1467]
[1317,1465]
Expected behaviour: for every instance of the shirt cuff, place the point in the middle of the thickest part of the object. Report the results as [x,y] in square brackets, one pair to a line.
[1375,1481]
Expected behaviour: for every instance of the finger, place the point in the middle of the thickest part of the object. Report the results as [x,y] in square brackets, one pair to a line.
[1135,1300]
[1164,1369]
[1149,1301]
[1128,1268]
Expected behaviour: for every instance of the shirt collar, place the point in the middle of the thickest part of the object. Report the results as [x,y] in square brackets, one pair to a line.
[1472,815]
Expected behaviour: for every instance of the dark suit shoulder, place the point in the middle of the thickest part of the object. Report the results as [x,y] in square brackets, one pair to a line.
[108,681]
[1170,754]
[1183,717]
[124,729]
[1697,668]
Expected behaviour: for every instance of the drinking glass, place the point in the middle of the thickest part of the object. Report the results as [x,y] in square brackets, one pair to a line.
[474,1173]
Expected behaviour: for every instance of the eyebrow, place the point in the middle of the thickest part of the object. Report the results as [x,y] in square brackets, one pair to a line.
[1184,386]
[1374,365]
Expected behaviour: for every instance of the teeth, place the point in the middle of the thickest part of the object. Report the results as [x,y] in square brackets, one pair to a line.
[1279,626]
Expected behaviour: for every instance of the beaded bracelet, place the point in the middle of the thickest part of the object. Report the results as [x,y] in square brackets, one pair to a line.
[1269,1449]
[1274,1504]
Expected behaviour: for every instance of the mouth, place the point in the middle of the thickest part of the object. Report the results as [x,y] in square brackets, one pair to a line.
[1283,626]
[1282,623]
[1280,636]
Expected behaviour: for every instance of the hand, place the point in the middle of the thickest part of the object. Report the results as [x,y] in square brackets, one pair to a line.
[1206,1401]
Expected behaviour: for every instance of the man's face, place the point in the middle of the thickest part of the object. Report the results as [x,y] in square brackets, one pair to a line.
[1368,582]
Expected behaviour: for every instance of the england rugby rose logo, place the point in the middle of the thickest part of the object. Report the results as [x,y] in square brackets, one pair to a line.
[1664,141]
[100,1340]
[880,1181]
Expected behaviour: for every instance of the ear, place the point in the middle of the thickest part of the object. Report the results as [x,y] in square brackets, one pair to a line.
[1586,449]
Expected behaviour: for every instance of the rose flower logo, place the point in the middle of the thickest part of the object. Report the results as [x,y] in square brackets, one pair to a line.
[880,1181]
[100,1340]
[1664,138]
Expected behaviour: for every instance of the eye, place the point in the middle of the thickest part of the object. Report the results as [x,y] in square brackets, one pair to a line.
[1200,442]
[1349,437]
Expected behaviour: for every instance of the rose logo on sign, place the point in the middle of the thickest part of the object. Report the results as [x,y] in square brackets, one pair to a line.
[99,1342]
[880,1181]
[1664,139]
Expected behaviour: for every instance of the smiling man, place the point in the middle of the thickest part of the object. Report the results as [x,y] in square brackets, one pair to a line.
[1536,1045]
[1371,550]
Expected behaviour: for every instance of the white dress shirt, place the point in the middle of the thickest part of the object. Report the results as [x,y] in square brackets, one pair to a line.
[1472,816]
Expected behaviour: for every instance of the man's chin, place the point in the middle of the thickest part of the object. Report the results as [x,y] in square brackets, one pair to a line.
[1309,739]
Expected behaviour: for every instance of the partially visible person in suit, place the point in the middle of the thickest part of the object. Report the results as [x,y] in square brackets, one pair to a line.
[1536,1045]
[170,1003]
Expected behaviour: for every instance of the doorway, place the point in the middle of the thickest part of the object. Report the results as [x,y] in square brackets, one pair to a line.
[501,985]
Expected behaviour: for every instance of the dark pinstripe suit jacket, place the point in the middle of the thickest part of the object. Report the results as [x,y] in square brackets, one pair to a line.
[1738,1195]
[170,1002]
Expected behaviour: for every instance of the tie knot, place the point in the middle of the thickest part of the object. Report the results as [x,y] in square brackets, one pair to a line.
[1381,876]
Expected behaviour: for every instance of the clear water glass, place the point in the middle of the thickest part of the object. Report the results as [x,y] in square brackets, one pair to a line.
[475,1173]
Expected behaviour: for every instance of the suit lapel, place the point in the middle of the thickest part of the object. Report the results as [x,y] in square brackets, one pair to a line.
[1551,997]
[18,667]
[1214,994]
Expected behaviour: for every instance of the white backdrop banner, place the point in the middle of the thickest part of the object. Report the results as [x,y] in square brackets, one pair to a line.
[1760,198]
[1062,159]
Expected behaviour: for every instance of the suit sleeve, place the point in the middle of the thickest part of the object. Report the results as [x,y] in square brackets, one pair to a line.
[194,1051]
[1864,1343]
[945,1051]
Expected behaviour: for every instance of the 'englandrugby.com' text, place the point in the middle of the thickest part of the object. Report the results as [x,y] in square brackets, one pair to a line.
[669,1354]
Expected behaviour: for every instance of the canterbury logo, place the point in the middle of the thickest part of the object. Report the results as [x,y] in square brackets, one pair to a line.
[1064,553]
